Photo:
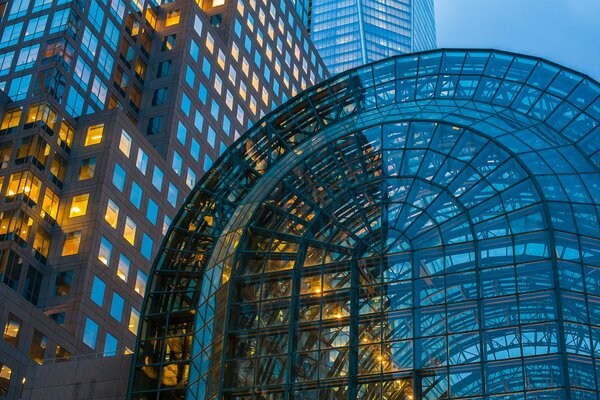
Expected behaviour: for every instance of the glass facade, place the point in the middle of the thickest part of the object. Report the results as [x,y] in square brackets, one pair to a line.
[422,227]
[351,33]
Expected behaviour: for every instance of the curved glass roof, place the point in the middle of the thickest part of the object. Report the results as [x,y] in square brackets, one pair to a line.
[422,227]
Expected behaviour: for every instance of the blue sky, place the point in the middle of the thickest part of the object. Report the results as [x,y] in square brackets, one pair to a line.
[564,31]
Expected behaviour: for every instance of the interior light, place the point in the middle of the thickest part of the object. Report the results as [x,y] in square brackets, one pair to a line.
[27,189]
[75,209]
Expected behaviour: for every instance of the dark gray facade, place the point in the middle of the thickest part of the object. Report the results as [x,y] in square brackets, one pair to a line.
[110,112]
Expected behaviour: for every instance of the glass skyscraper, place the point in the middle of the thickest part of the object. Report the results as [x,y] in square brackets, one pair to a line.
[350,33]
[423,227]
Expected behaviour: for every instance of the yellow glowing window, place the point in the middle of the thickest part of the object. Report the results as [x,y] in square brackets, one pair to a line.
[245,67]
[65,134]
[134,321]
[41,242]
[125,143]
[49,205]
[235,51]
[243,90]
[221,60]
[217,3]
[253,104]
[71,245]
[24,183]
[12,331]
[79,205]
[151,17]
[129,231]
[94,135]
[265,96]
[11,119]
[210,43]
[271,31]
[255,81]
[173,17]
[240,7]
[112,213]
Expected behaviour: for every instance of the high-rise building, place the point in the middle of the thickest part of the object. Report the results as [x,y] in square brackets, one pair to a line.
[110,110]
[350,33]
[424,227]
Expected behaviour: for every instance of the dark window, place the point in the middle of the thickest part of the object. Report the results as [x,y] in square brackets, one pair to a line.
[33,283]
[159,97]
[62,284]
[163,69]
[58,317]
[154,125]
[216,20]
[10,268]
[39,342]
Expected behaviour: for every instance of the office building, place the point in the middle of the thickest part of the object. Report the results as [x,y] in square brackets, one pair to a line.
[350,33]
[423,227]
[110,110]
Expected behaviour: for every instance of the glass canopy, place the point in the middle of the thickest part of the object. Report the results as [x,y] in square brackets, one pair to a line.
[423,227]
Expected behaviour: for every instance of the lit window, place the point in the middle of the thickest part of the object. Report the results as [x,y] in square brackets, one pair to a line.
[94,135]
[62,283]
[79,205]
[134,321]
[216,3]
[125,143]
[221,59]
[71,245]
[41,242]
[123,267]
[116,307]
[173,17]
[49,206]
[87,168]
[90,333]
[97,293]
[151,17]
[12,330]
[112,213]
[140,283]
[129,231]
[104,251]
[210,43]
[65,134]
[11,119]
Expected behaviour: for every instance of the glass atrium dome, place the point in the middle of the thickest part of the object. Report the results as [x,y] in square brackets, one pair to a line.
[423,227]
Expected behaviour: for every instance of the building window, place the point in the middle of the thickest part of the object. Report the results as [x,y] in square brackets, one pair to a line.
[79,205]
[19,87]
[41,242]
[87,168]
[166,223]
[125,143]
[37,349]
[123,267]
[11,35]
[49,206]
[134,321]
[177,163]
[97,293]
[116,307]
[65,135]
[105,251]
[62,283]
[152,211]
[157,178]
[140,283]
[12,330]
[163,69]
[26,184]
[94,135]
[119,177]
[61,354]
[71,245]
[146,248]
[129,231]
[90,333]
[11,119]
[190,179]
[58,169]
[172,17]
[112,213]
[135,197]
[110,345]
[172,194]
[5,374]
[154,125]
[142,161]
[159,97]
[169,42]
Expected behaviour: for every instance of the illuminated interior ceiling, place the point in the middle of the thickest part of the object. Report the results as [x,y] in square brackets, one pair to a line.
[422,227]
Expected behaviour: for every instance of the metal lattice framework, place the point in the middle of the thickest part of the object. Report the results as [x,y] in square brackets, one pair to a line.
[422,227]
